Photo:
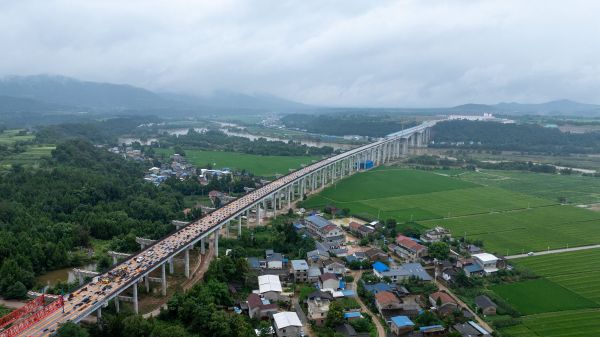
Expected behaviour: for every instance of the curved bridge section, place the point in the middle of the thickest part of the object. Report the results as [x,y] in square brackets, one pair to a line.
[279,194]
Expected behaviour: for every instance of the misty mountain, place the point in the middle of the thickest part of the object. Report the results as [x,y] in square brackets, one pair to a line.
[224,99]
[558,107]
[71,92]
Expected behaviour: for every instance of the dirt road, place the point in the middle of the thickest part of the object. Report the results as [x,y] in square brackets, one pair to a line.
[380,329]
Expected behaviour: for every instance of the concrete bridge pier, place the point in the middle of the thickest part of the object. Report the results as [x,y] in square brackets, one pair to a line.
[202,246]
[187,262]
[117,306]
[216,241]
[135,298]
[171,266]
[147,283]
[163,276]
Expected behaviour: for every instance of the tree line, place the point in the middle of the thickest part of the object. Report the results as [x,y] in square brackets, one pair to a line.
[530,138]
[350,124]
[217,140]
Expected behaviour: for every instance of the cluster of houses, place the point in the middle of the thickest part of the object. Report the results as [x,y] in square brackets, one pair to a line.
[325,268]
[128,152]
[178,167]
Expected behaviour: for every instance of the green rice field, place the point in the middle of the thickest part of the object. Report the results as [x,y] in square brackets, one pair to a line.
[259,165]
[576,189]
[569,280]
[576,323]
[541,295]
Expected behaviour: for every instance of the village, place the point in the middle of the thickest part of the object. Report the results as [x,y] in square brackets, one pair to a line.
[395,289]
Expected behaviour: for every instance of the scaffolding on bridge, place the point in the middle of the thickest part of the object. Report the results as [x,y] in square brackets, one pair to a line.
[24,317]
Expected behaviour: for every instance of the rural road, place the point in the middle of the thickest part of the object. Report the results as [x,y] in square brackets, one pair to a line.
[380,329]
[464,305]
[554,251]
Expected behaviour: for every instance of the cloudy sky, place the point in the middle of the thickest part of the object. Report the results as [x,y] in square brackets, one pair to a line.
[339,53]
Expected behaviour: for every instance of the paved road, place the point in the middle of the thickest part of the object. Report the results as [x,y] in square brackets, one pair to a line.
[380,329]
[463,304]
[554,251]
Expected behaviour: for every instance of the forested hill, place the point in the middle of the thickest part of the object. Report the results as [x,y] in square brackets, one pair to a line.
[514,137]
[82,192]
[342,124]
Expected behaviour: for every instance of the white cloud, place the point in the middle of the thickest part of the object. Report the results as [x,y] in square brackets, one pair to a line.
[385,53]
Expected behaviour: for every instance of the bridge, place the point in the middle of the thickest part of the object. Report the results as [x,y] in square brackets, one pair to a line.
[276,195]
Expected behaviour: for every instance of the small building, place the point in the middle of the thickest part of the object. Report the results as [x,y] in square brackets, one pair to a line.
[385,301]
[300,270]
[391,287]
[398,274]
[470,329]
[287,324]
[409,249]
[319,294]
[313,274]
[401,325]
[376,254]
[334,266]
[436,234]
[260,308]
[269,287]
[317,310]
[317,255]
[274,260]
[328,281]
[443,302]
[485,305]
[484,264]
[323,229]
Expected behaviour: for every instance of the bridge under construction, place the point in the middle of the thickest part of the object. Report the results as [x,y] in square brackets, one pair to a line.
[41,319]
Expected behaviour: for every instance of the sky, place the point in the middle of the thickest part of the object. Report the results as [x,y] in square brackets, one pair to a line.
[420,53]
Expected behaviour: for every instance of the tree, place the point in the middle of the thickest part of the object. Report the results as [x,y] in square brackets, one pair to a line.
[335,316]
[439,250]
[169,331]
[70,329]
[137,326]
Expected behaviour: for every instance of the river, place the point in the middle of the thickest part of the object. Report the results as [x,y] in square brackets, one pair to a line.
[62,275]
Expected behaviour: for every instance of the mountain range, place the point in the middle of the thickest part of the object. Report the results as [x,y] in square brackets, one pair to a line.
[49,98]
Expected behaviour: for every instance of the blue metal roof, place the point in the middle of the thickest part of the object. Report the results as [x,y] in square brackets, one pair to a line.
[380,266]
[352,314]
[431,327]
[402,321]
[378,287]
[348,293]
[318,221]
[473,268]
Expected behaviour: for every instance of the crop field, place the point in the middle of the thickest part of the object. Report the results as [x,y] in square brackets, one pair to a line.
[576,189]
[541,295]
[9,137]
[258,165]
[523,230]
[577,271]
[576,323]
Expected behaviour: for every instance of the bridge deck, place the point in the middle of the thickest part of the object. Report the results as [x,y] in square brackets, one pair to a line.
[159,252]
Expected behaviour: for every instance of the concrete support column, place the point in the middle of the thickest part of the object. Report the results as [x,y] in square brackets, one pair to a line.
[114,259]
[217,242]
[99,312]
[171,266]
[147,283]
[202,246]
[187,262]
[240,225]
[117,306]
[163,276]
[135,298]
[289,196]
[80,278]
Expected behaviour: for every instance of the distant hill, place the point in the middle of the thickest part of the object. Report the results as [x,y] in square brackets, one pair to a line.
[558,107]
[71,92]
